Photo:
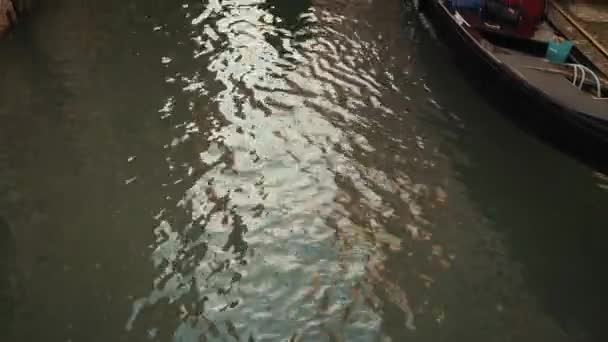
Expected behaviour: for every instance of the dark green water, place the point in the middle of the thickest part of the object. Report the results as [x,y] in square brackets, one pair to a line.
[278,171]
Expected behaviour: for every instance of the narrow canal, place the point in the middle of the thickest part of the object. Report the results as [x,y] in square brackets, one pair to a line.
[267,170]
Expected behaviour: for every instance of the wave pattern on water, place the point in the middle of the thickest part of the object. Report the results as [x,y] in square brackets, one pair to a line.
[280,231]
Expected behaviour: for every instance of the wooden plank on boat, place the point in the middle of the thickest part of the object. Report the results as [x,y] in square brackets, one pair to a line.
[584,41]
[580,28]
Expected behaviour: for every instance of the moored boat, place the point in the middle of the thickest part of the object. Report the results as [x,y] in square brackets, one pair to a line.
[572,90]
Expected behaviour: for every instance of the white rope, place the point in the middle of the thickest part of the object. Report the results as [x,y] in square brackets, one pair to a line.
[580,85]
[585,70]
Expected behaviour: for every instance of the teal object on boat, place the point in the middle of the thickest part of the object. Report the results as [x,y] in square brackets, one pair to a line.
[558,52]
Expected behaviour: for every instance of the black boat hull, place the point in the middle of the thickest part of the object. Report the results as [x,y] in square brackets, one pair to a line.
[554,119]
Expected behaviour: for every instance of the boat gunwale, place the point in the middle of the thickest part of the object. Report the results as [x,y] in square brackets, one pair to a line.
[514,74]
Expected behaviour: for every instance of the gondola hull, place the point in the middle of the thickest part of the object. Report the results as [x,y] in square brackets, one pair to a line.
[554,116]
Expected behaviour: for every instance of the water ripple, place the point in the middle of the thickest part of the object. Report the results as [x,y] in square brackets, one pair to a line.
[280,232]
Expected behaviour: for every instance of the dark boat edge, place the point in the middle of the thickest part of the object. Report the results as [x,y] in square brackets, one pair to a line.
[574,132]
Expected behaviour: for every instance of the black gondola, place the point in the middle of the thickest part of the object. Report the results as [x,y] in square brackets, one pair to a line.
[559,90]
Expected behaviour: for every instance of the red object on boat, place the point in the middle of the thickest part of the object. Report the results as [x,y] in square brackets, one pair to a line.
[531,9]
[532,12]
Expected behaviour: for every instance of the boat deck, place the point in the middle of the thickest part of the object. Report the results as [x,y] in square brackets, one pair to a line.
[537,72]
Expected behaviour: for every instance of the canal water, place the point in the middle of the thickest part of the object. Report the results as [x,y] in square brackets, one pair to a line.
[267,170]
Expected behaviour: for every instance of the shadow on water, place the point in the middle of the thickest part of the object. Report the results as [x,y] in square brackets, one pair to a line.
[549,208]
[557,231]
[290,18]
[289,13]
[63,139]
[8,277]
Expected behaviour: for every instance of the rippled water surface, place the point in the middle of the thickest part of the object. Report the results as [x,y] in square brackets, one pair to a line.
[274,170]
